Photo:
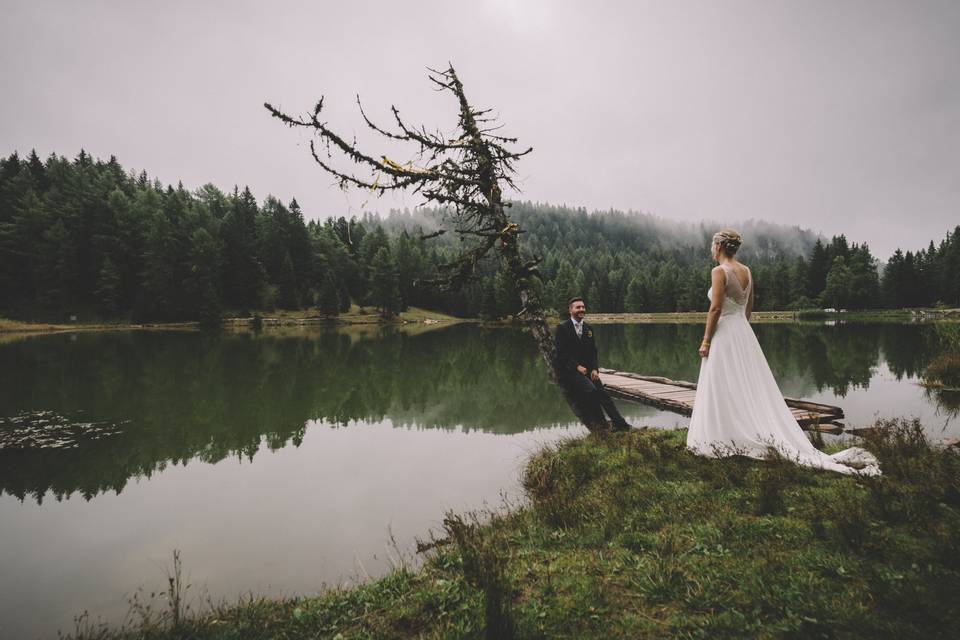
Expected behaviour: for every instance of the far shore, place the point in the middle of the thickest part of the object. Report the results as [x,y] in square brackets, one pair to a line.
[415,316]
[630,535]
[775,316]
[265,319]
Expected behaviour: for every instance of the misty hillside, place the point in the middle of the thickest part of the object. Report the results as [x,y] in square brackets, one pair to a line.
[86,238]
[549,228]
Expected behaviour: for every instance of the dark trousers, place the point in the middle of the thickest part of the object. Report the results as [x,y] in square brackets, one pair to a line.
[592,394]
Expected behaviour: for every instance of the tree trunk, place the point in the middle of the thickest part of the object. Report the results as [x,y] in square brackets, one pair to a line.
[462,172]
[534,316]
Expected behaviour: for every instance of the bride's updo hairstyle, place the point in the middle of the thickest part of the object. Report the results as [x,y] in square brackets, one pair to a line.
[728,240]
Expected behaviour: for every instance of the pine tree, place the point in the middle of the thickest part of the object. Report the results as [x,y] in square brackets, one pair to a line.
[636,296]
[286,283]
[203,274]
[244,277]
[109,287]
[564,288]
[159,287]
[837,292]
[57,260]
[950,269]
[384,284]
[505,296]
[409,267]
[128,252]
[344,297]
[781,284]
[820,263]
[865,281]
[19,245]
[488,300]
[798,285]
[300,249]
[328,302]
[37,171]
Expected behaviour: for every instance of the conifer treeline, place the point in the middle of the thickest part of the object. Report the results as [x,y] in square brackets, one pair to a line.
[83,237]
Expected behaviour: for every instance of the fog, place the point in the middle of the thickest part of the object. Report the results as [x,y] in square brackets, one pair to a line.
[838,117]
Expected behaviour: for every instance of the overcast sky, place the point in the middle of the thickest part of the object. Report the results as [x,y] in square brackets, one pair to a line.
[840,116]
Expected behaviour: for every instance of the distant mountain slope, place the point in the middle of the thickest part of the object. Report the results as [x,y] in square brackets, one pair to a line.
[550,228]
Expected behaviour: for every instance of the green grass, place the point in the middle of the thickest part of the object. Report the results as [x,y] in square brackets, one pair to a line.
[355,314]
[16,329]
[631,536]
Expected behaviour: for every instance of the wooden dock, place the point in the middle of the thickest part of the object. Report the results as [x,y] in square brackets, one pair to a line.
[678,396]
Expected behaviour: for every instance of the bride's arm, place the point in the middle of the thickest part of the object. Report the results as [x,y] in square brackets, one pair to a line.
[750,302]
[718,282]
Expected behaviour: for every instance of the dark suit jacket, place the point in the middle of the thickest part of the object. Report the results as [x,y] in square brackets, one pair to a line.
[572,350]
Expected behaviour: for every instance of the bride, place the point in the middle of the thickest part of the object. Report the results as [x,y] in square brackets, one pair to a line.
[739,409]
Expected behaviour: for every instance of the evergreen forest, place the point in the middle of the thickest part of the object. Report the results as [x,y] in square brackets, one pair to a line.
[87,239]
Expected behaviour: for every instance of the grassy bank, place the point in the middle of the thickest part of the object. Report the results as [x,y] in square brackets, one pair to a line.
[356,316]
[629,536]
[19,326]
[368,316]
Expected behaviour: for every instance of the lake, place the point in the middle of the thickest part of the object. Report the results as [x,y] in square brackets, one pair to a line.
[281,463]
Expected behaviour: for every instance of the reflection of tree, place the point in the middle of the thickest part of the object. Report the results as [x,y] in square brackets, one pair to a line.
[834,357]
[838,357]
[652,349]
[192,396]
[947,400]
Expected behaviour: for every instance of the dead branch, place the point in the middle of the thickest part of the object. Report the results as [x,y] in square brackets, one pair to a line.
[462,174]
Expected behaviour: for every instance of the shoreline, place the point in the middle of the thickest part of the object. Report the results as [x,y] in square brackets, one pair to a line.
[17,328]
[631,535]
[425,317]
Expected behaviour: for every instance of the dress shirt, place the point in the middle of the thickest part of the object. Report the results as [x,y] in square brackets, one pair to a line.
[578,327]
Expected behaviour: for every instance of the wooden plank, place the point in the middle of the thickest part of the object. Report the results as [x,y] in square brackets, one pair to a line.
[678,392]
[813,406]
[654,379]
[680,395]
[823,409]
[665,396]
[658,388]
[641,394]
[630,382]
[823,428]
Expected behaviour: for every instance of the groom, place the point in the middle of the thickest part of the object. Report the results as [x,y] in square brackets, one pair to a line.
[577,364]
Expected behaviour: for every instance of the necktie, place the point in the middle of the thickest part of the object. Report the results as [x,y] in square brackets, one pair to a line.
[579,327]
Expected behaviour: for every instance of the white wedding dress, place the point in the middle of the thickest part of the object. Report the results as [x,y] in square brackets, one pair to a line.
[739,409]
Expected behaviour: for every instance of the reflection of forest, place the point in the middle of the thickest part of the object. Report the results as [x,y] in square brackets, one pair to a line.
[208,397]
[838,357]
[190,395]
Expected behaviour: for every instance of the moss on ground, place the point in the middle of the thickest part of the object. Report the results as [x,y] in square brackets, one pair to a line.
[631,536]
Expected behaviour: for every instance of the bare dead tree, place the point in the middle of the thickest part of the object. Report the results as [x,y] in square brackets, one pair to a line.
[462,173]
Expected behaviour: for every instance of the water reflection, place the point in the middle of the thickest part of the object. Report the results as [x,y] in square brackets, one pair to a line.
[183,396]
[837,358]
[390,430]
[189,395]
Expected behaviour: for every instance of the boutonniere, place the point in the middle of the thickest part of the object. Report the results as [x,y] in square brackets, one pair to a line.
[589,333]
